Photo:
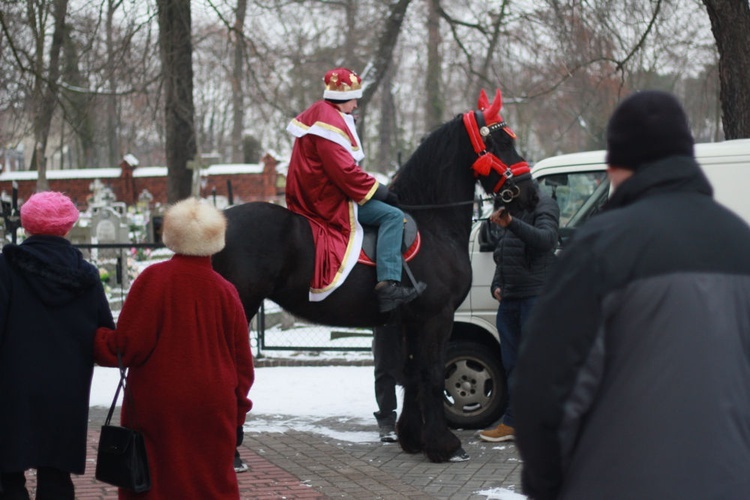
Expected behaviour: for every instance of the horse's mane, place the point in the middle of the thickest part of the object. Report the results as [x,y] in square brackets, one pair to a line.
[432,174]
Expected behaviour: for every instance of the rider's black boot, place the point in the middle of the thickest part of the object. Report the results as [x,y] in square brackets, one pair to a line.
[392,294]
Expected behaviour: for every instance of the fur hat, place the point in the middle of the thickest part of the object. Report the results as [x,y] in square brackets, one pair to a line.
[193,227]
[645,127]
[342,85]
[48,213]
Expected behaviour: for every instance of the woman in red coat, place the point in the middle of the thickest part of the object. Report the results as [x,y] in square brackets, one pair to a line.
[184,336]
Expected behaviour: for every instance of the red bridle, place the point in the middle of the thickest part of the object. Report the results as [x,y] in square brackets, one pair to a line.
[488,161]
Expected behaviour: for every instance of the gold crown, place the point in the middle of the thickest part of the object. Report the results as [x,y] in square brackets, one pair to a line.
[335,85]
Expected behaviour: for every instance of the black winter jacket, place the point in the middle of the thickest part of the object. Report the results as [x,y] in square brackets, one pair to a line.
[51,303]
[525,250]
[633,380]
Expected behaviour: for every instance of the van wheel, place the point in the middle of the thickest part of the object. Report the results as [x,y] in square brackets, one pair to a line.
[475,388]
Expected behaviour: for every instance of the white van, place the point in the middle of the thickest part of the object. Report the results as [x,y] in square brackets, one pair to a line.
[475,380]
[570,179]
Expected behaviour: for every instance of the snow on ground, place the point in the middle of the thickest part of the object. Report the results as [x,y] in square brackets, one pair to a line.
[302,398]
[312,393]
[501,494]
[305,398]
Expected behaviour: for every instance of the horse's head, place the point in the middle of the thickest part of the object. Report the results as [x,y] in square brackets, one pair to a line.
[498,165]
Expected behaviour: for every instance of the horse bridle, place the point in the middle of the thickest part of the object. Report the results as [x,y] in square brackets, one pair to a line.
[488,161]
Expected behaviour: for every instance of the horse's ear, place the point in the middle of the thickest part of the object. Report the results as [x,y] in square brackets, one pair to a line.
[483,102]
[492,114]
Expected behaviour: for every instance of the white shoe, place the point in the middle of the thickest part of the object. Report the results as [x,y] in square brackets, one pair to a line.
[239,464]
[388,434]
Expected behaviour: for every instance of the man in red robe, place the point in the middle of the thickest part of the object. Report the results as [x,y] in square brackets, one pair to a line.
[326,184]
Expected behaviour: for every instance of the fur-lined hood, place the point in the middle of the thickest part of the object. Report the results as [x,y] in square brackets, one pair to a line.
[195,228]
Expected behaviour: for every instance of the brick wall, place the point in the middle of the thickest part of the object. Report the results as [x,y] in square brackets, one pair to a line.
[248,182]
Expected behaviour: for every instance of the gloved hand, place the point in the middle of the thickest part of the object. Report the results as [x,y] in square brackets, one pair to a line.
[391,199]
[240,436]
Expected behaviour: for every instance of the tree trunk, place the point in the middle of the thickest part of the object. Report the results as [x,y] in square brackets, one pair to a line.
[493,40]
[238,74]
[730,23]
[112,124]
[176,50]
[46,88]
[350,57]
[387,127]
[77,106]
[434,104]
[384,54]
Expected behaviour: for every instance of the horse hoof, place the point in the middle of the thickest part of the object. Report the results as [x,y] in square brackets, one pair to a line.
[460,455]
[408,447]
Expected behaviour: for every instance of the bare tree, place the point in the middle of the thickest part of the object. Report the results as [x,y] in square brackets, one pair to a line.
[381,60]
[77,107]
[112,118]
[434,103]
[562,66]
[488,27]
[238,70]
[45,78]
[176,49]
[730,23]
[387,125]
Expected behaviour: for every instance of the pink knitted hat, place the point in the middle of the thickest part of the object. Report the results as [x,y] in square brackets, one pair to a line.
[49,213]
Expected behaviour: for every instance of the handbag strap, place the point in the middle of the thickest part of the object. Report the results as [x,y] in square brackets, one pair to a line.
[120,385]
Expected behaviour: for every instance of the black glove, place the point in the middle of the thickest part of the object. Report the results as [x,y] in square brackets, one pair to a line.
[240,436]
[392,199]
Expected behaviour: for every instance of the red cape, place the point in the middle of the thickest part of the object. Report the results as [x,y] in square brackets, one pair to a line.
[324,183]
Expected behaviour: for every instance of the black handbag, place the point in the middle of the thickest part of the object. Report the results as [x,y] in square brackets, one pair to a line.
[121,458]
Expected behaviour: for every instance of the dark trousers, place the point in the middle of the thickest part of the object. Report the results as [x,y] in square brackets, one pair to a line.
[511,316]
[51,484]
[387,353]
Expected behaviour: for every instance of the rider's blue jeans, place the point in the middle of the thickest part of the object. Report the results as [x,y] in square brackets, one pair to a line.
[390,222]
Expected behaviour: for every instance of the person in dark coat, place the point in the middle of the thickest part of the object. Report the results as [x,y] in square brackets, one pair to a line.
[51,303]
[633,380]
[388,360]
[525,235]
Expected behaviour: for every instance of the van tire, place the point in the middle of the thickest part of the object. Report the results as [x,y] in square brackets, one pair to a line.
[475,393]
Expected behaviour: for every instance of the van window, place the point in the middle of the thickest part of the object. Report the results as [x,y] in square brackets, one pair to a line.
[572,190]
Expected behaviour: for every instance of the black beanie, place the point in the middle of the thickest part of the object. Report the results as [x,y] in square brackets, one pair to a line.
[645,127]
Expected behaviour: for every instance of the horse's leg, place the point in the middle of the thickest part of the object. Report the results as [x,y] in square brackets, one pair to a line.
[438,442]
[409,426]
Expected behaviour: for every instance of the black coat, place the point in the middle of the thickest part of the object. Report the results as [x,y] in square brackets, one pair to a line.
[525,250]
[51,303]
[633,379]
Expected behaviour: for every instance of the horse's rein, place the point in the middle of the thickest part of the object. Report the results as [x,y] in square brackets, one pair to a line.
[450,205]
[441,205]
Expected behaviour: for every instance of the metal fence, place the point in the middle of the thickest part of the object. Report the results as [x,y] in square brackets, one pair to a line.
[272,329]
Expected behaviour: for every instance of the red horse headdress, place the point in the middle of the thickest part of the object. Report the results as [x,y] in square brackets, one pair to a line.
[480,125]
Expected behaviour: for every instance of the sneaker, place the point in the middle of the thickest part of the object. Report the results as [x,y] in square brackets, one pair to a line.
[459,456]
[392,294]
[388,434]
[500,433]
[239,464]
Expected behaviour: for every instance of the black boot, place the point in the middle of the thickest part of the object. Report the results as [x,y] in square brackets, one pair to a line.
[392,294]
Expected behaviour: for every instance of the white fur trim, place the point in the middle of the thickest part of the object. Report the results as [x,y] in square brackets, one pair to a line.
[342,96]
[333,134]
[194,227]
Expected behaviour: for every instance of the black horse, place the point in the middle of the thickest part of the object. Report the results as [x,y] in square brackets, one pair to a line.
[269,254]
